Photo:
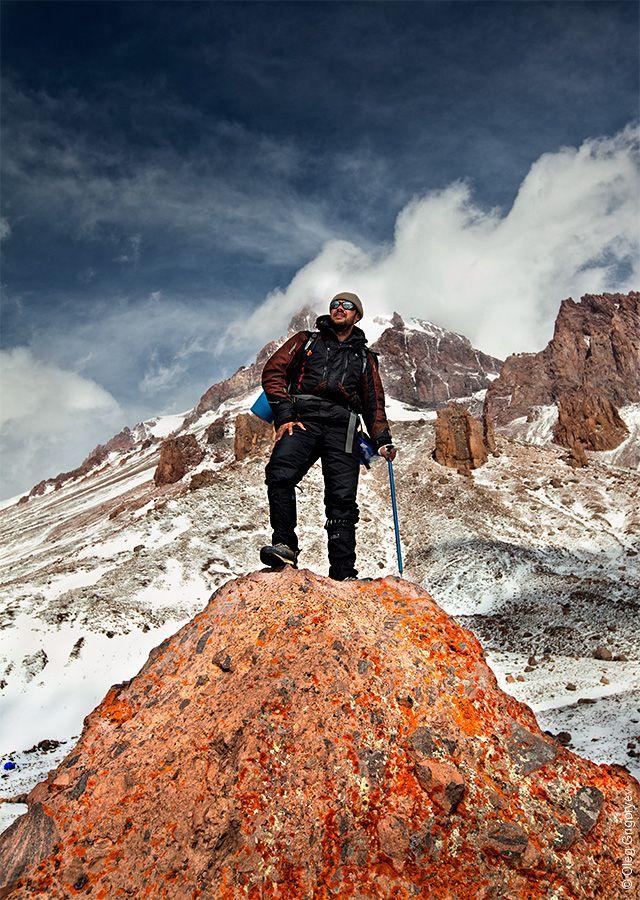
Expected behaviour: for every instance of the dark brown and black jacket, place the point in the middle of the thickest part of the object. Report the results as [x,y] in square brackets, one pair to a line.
[345,372]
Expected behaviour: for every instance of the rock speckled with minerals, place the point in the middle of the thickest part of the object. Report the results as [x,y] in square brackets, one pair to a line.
[307,738]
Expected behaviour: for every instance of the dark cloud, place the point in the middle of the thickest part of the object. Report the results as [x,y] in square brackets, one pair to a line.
[205,152]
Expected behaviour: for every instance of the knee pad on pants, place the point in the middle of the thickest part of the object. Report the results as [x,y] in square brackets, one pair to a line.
[335,525]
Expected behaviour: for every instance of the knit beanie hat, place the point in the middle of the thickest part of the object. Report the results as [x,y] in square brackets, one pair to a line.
[347,295]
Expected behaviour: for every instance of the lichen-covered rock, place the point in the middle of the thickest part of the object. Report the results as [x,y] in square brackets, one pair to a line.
[307,738]
[460,439]
[177,456]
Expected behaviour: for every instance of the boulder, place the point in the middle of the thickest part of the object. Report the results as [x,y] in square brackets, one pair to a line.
[576,457]
[215,431]
[302,737]
[590,419]
[202,479]
[177,456]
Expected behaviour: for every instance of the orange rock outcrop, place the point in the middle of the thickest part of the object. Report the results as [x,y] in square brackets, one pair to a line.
[251,436]
[462,441]
[307,738]
[177,456]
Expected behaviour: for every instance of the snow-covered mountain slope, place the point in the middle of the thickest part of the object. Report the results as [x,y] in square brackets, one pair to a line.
[537,559]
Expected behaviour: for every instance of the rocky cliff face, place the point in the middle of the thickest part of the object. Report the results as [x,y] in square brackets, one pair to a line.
[424,365]
[595,349]
[588,420]
[303,738]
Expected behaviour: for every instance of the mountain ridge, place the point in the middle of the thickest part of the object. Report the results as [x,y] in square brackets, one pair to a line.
[421,354]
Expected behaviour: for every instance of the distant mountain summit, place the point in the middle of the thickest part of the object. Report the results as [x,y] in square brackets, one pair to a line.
[301,738]
[571,392]
[426,366]
[421,364]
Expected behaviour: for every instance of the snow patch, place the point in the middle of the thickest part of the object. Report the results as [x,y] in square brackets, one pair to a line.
[397,411]
[163,426]
[122,543]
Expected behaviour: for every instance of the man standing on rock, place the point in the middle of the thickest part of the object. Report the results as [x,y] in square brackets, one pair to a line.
[317,383]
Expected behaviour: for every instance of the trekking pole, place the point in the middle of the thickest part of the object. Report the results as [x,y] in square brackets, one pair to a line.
[395,514]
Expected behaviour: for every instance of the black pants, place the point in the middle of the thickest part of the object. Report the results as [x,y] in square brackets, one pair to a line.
[292,457]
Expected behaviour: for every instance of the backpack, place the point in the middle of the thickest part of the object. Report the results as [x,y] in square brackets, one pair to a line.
[307,350]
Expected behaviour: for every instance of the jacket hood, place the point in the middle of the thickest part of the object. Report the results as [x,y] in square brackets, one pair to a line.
[357,336]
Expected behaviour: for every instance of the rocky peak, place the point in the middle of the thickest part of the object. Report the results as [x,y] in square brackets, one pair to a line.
[300,736]
[426,366]
[595,348]
[303,320]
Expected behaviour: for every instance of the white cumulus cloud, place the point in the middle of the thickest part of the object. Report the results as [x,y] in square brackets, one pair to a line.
[48,416]
[497,277]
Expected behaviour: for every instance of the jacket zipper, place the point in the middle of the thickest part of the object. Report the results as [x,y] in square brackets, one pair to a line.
[346,362]
[326,361]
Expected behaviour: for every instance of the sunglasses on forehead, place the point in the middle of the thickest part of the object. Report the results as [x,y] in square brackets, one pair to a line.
[345,304]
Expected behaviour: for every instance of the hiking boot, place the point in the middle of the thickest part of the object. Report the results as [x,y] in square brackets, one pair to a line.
[278,555]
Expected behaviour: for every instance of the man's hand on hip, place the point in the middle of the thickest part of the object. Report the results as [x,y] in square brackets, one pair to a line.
[388,451]
[288,426]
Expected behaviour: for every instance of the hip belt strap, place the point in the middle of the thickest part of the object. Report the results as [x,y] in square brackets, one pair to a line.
[353,419]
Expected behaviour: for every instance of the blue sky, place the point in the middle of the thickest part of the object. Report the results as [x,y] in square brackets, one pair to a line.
[179,176]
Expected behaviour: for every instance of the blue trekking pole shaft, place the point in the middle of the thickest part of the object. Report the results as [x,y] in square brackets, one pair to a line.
[395,514]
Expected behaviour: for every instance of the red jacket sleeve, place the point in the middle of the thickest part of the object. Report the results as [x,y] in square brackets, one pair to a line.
[276,376]
[373,411]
